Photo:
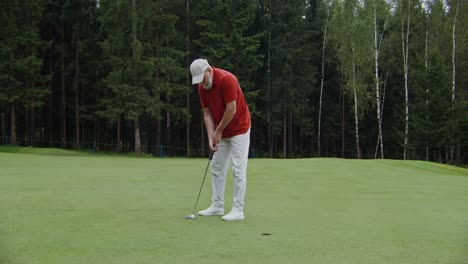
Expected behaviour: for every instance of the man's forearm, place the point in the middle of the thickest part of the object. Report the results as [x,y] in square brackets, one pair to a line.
[209,125]
[227,116]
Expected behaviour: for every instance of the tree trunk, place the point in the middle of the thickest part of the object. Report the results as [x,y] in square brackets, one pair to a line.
[137,136]
[96,136]
[76,88]
[324,43]
[290,130]
[285,123]
[427,89]
[285,130]
[50,101]
[342,100]
[32,126]
[13,125]
[25,131]
[269,128]
[356,111]
[119,142]
[454,44]
[405,50]
[377,85]
[62,86]
[3,132]
[135,57]
[439,152]
[189,86]
[158,134]
[447,150]
[168,129]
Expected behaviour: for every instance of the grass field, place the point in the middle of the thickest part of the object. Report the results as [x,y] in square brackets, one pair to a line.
[71,207]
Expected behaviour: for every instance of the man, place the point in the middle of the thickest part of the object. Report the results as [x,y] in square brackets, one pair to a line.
[227,123]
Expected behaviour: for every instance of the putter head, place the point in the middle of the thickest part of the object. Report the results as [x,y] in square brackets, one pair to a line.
[192,217]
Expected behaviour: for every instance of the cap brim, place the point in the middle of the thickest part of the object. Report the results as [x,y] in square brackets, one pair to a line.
[197,79]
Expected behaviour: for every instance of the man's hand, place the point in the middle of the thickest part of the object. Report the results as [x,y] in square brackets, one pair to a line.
[213,146]
[227,117]
[217,135]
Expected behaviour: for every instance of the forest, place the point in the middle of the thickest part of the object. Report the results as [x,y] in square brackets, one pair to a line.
[358,79]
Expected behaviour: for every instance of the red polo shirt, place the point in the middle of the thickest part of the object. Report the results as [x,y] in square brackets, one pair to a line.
[226,89]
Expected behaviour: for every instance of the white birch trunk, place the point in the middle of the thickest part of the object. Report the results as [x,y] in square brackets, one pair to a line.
[324,43]
[377,85]
[356,113]
[405,49]
[452,148]
[427,89]
[454,52]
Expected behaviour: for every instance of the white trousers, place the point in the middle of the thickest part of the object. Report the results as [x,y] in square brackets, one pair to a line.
[236,151]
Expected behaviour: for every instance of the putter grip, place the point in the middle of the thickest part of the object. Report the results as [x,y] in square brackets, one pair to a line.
[211,155]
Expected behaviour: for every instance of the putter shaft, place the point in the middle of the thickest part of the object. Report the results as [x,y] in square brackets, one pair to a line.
[203,181]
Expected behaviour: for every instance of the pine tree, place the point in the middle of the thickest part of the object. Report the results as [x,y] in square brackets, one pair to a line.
[79,14]
[21,83]
[127,96]
[146,76]
[293,71]
[166,84]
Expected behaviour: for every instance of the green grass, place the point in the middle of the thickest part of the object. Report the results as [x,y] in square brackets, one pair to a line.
[43,151]
[111,209]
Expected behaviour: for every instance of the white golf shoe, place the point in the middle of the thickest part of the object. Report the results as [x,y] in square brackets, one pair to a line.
[212,210]
[234,215]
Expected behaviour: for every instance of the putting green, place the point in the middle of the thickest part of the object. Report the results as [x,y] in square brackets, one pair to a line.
[108,209]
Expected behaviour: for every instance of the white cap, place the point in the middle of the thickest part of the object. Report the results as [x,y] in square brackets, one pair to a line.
[198,68]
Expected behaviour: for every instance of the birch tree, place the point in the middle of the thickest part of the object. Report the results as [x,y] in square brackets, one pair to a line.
[405,34]
[377,44]
[346,34]
[431,117]
[327,6]
[454,79]
[376,15]
[426,68]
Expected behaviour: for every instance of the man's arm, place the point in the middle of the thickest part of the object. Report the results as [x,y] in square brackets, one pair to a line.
[227,118]
[209,125]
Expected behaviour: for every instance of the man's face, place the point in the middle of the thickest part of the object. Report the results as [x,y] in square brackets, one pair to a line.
[207,82]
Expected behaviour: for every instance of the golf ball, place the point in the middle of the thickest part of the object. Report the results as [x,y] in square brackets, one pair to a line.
[192,216]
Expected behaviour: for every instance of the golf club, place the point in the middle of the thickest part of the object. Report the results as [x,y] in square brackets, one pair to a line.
[192,216]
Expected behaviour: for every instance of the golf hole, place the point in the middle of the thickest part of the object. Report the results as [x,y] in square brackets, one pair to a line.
[266,234]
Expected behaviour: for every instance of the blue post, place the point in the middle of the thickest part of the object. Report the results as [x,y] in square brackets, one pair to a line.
[161,151]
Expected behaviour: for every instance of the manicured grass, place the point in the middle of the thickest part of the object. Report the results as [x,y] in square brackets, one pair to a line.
[42,151]
[111,209]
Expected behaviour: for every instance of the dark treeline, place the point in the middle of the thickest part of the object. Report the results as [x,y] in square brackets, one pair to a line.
[329,78]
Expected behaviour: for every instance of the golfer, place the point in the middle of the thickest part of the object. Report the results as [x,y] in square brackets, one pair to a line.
[227,123]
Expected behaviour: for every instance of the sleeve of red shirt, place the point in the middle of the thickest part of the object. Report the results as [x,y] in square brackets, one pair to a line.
[230,86]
